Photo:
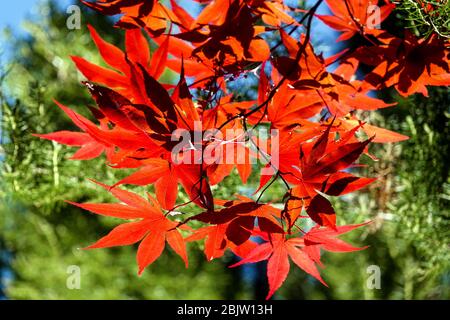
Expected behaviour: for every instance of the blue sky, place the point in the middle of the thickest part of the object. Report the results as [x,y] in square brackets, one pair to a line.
[12,13]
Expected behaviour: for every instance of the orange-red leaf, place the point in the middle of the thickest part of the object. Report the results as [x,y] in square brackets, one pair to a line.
[150,249]
[277,268]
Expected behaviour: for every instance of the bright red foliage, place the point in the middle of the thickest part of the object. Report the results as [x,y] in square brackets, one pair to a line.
[143,123]
[355,16]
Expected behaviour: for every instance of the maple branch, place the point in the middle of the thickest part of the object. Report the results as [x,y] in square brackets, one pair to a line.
[264,155]
[201,80]
[324,101]
[244,116]
[181,205]
[279,43]
[129,134]
[267,187]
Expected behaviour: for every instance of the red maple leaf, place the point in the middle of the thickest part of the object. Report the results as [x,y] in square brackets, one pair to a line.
[408,64]
[355,16]
[228,40]
[149,226]
[338,91]
[278,251]
[124,77]
[303,251]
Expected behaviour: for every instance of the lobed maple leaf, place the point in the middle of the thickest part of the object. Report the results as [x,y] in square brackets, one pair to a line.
[317,166]
[355,16]
[303,251]
[278,252]
[337,90]
[227,40]
[149,226]
[125,75]
[408,64]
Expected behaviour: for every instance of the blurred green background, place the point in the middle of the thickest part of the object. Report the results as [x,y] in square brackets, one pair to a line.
[40,235]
